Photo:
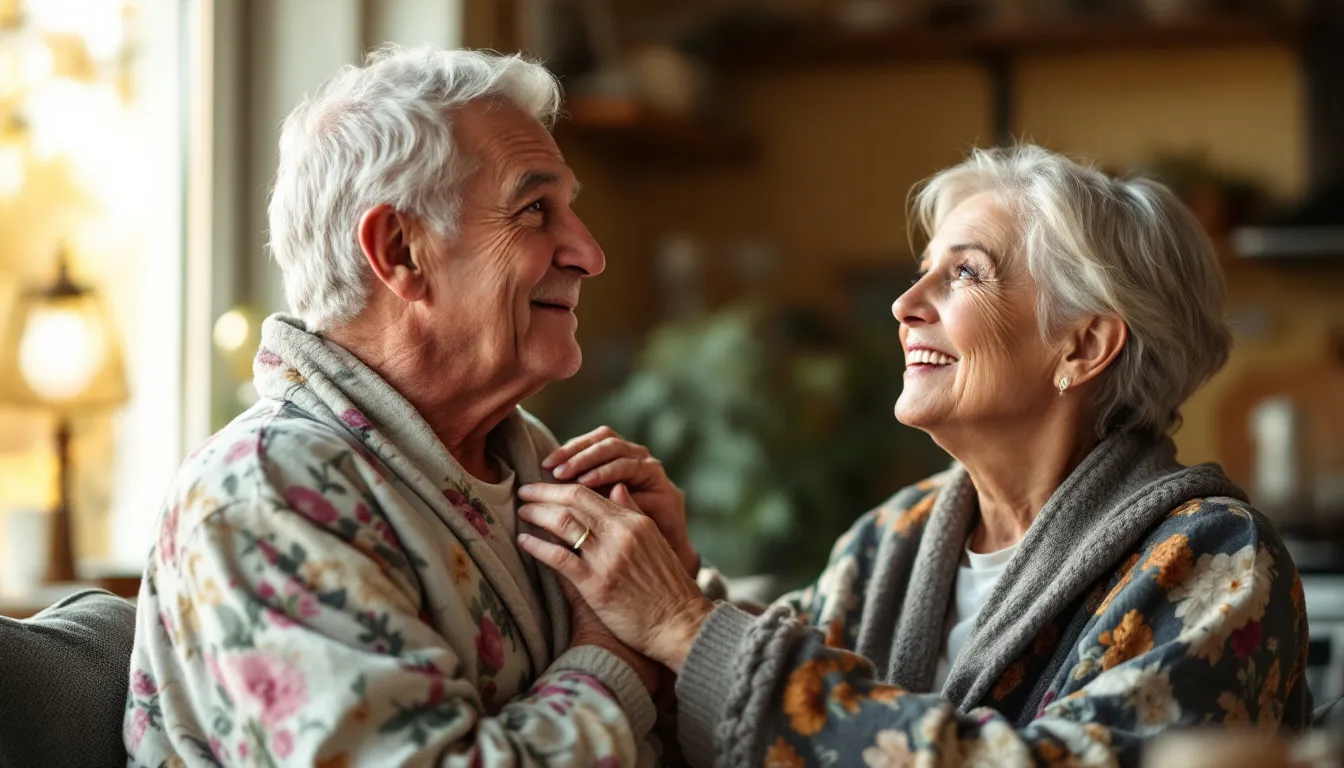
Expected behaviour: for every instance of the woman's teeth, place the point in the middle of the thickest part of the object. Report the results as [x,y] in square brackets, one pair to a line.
[928,357]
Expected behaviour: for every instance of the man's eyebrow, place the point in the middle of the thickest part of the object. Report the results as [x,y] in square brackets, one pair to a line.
[529,182]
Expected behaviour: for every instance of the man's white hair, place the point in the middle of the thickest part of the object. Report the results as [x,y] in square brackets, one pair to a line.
[381,133]
[1102,246]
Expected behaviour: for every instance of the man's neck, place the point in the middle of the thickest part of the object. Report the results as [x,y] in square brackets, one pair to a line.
[460,406]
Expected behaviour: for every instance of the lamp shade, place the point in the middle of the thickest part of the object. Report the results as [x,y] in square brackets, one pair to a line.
[59,350]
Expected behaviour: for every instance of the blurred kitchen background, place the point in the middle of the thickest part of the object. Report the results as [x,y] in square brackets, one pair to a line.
[746,166]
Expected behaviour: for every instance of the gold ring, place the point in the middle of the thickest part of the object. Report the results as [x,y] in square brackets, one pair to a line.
[586,530]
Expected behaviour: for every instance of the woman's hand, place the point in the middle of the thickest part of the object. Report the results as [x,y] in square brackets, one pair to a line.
[602,458]
[588,629]
[625,569]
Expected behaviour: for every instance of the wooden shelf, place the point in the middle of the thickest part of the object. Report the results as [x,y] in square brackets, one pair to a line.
[915,44]
[625,130]
[622,129]
[997,46]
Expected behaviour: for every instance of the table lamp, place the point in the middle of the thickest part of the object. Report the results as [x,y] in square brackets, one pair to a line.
[59,353]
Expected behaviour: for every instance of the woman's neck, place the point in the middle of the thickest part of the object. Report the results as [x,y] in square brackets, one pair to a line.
[1015,475]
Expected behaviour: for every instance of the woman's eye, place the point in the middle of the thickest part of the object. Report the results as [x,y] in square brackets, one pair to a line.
[964,272]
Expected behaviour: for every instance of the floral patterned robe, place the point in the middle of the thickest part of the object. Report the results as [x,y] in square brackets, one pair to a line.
[327,589]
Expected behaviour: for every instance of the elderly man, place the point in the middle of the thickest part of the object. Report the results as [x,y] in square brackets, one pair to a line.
[336,580]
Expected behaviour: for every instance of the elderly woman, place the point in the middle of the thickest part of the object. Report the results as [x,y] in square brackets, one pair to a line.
[1065,590]
[336,580]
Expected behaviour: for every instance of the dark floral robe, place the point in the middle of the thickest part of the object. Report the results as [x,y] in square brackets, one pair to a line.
[1202,625]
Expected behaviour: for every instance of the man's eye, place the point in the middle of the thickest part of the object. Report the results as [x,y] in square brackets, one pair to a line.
[534,207]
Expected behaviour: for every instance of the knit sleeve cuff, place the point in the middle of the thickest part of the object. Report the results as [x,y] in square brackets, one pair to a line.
[609,670]
[706,680]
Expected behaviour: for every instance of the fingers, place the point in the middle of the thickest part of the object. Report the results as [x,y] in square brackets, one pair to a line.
[558,519]
[604,451]
[588,507]
[621,495]
[561,560]
[565,452]
[641,473]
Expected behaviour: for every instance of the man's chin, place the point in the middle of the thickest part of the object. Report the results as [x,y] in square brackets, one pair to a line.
[559,363]
[571,368]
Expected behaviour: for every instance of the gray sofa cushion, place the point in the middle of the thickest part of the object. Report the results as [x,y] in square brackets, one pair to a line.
[63,683]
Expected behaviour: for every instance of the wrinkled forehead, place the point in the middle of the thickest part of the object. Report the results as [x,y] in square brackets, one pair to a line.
[983,218]
[505,144]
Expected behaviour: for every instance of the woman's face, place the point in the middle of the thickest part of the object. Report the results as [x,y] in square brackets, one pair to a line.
[973,353]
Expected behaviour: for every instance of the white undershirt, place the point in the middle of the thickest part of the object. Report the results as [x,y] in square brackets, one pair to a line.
[976,577]
[500,497]
[503,502]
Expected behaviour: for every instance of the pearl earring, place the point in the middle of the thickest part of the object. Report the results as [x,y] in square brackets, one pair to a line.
[1063,384]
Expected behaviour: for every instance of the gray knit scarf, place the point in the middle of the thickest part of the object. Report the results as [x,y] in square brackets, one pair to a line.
[1100,513]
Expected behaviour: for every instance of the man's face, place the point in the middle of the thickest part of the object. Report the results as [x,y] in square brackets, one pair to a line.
[507,285]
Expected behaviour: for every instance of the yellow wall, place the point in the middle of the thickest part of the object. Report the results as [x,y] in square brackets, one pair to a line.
[841,148]
[1243,108]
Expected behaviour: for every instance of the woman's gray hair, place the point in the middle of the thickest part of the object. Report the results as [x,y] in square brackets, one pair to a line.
[381,133]
[1097,245]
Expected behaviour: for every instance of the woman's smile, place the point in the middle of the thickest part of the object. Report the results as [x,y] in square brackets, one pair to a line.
[921,359]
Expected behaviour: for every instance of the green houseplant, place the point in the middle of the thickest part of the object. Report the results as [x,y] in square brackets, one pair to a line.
[779,439]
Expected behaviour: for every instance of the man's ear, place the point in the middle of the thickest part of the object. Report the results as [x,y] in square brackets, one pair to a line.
[385,237]
[1092,347]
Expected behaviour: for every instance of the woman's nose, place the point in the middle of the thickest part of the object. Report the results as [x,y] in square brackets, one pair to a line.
[913,305]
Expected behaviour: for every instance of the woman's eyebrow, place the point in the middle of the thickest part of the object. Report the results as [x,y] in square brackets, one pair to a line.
[972,245]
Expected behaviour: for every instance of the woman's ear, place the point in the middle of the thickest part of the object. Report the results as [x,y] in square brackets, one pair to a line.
[1092,347]
[385,237]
